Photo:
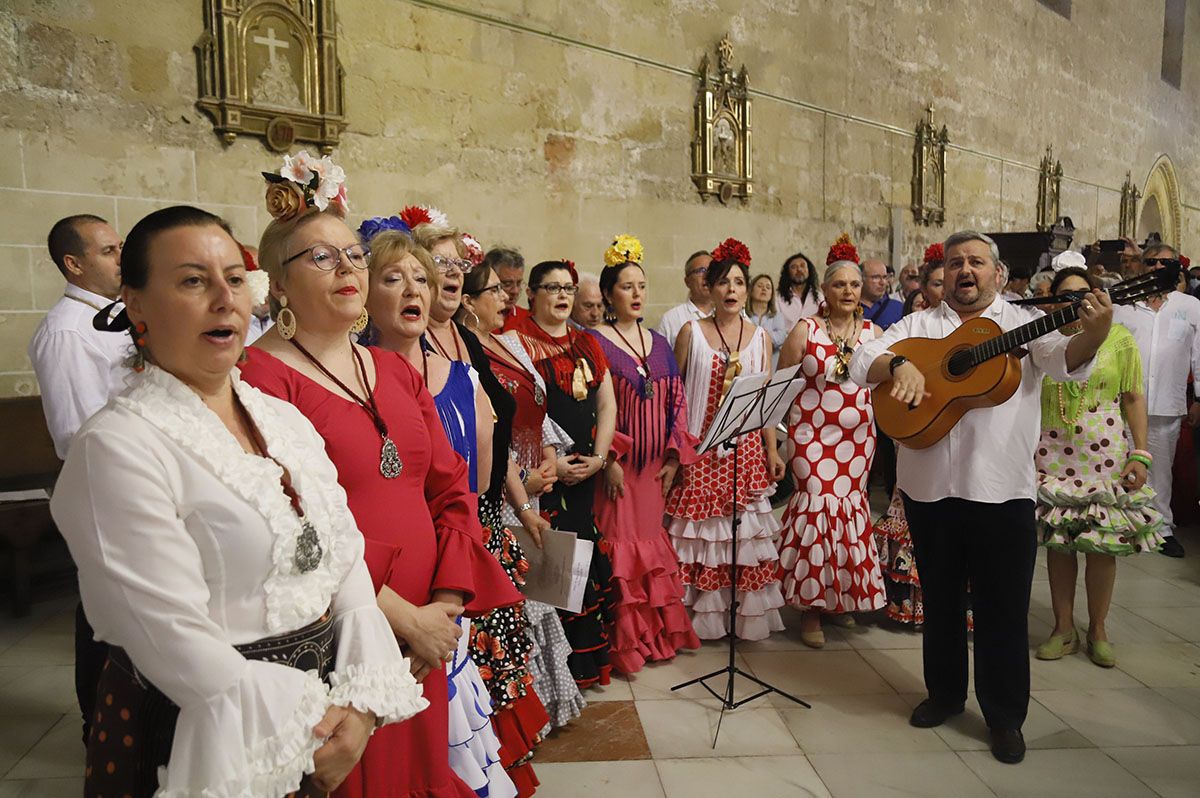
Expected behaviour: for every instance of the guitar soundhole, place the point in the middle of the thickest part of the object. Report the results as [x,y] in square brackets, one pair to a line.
[960,363]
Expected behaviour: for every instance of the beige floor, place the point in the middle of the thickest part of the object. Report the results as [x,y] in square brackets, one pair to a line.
[1130,731]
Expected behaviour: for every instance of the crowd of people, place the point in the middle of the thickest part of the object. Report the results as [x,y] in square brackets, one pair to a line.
[298,477]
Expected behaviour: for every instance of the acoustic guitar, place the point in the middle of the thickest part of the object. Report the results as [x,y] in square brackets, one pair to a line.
[975,366]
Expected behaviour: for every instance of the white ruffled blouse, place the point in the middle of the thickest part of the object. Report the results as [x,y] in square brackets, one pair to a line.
[185,545]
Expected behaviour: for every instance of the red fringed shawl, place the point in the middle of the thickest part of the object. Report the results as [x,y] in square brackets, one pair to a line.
[556,357]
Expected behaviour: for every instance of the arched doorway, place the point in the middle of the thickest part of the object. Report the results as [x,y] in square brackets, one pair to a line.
[1161,211]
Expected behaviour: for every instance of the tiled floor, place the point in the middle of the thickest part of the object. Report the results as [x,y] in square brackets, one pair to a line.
[1130,731]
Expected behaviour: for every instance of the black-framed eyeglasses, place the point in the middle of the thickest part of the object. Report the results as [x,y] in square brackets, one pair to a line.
[446,264]
[558,288]
[326,256]
[1169,263]
[496,290]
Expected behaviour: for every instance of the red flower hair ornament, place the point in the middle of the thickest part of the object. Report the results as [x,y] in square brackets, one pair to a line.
[414,215]
[569,265]
[1185,261]
[732,249]
[842,249]
[934,253]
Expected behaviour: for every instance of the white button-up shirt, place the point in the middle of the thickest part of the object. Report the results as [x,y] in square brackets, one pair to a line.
[988,455]
[677,318]
[1169,342]
[78,367]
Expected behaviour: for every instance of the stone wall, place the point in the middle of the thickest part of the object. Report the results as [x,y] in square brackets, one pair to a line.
[552,124]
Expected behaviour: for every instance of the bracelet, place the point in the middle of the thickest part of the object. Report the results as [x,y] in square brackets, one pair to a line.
[523,475]
[1137,458]
[1143,453]
[524,507]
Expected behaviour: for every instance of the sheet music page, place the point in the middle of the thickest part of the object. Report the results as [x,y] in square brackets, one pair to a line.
[742,396]
[555,569]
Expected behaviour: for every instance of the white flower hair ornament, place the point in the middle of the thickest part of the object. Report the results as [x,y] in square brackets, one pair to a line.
[305,182]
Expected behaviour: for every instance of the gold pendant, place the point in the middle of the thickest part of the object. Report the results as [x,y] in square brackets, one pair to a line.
[580,379]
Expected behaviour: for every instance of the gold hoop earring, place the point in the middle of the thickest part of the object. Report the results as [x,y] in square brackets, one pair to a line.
[361,322]
[285,320]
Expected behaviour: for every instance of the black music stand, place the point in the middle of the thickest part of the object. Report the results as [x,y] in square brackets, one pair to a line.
[754,402]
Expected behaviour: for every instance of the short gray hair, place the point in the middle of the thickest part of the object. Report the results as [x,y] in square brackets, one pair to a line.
[589,278]
[963,236]
[1159,247]
[835,266]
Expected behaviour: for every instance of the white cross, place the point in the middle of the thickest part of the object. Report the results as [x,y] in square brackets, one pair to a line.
[270,42]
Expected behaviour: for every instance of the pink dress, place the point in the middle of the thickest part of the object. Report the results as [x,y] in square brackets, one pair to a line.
[649,621]
[701,507]
[827,553]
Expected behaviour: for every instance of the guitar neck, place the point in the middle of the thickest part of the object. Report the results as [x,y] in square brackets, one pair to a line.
[1019,336]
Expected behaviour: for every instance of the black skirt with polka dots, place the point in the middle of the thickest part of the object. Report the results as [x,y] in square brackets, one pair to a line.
[134,726]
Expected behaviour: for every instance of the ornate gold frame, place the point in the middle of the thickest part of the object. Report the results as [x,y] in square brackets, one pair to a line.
[292,92]
[929,172]
[1129,208]
[721,151]
[1050,174]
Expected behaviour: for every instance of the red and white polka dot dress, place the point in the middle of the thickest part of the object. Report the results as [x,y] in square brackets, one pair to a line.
[827,554]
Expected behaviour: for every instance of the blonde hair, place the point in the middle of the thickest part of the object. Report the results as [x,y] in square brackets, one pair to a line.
[770,302]
[272,247]
[391,246]
[430,235]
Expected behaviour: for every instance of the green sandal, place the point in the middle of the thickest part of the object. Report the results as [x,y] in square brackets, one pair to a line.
[1058,646]
[1101,653]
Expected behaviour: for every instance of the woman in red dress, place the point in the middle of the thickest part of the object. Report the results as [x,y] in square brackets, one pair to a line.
[406,486]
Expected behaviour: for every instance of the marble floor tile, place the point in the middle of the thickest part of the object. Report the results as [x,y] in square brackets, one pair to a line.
[1172,772]
[1075,671]
[606,731]
[882,635]
[902,669]
[1123,625]
[656,680]
[616,690]
[1163,665]
[843,724]
[758,776]
[1186,698]
[809,673]
[931,774]
[1181,621]
[679,729]
[969,731]
[59,752]
[789,638]
[1064,773]
[625,779]
[1119,718]
[20,733]
[42,788]
[52,647]
[41,689]
[1156,592]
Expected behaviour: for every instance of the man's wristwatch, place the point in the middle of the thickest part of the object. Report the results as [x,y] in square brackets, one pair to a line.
[895,363]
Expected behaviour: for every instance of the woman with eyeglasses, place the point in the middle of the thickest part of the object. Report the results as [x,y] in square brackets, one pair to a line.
[711,354]
[535,443]
[402,273]
[408,489]
[579,397]
[648,621]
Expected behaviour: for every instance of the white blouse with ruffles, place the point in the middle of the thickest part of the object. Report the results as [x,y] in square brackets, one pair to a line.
[184,544]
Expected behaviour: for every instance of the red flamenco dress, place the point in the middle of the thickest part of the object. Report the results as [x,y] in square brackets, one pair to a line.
[648,619]
[422,534]
[572,403]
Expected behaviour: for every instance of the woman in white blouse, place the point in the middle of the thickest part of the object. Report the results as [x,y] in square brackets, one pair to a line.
[217,555]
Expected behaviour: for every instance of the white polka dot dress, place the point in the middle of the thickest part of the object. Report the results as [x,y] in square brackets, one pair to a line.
[827,553]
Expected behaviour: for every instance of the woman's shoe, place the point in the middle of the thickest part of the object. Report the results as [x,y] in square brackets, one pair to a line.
[843,619]
[1101,653]
[1058,646]
[813,639]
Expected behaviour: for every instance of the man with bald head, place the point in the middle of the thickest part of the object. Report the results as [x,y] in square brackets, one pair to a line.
[588,310]
[878,308]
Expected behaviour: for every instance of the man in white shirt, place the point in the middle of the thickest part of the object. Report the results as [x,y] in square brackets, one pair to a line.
[969,498]
[699,303]
[1167,331]
[79,368]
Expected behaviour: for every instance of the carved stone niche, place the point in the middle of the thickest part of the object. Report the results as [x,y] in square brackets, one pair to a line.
[721,152]
[1050,174]
[1129,207]
[929,172]
[269,68]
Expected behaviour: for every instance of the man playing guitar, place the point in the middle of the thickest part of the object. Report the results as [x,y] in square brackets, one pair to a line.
[969,497]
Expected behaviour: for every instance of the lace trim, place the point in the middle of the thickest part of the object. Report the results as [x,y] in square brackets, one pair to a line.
[278,762]
[390,691]
[292,598]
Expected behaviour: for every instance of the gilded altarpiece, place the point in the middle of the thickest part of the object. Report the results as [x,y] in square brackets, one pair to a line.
[269,68]
[1050,174]
[721,149]
[929,172]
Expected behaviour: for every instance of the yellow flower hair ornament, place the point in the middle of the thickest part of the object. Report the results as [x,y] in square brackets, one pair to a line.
[624,249]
